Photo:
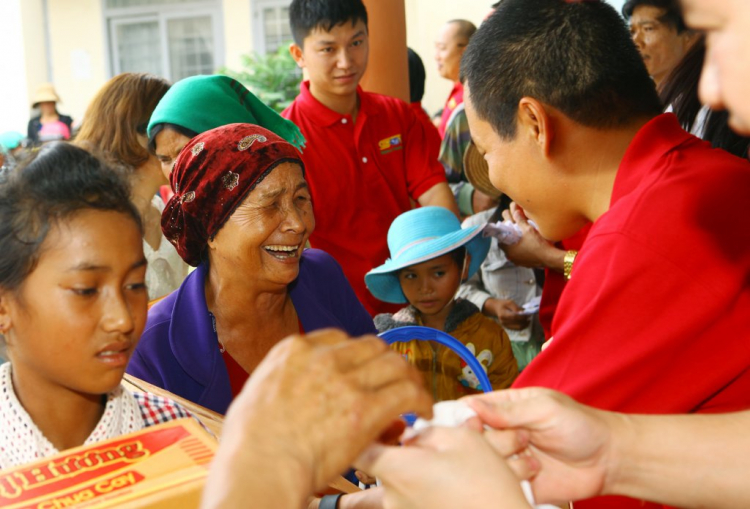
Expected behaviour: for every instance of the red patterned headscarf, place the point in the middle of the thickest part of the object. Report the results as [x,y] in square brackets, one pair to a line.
[212,176]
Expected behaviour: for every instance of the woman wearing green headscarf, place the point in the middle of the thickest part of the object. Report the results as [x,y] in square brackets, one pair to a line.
[201,103]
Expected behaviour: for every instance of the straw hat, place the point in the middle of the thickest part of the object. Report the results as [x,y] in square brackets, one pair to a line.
[478,172]
[45,93]
[417,236]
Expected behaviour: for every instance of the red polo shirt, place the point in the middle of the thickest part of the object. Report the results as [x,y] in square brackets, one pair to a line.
[362,175]
[654,318]
[554,282]
[455,98]
[433,136]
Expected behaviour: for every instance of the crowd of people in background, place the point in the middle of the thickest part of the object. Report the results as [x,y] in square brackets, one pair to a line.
[573,217]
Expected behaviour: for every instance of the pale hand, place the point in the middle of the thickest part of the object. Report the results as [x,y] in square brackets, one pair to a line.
[573,443]
[452,467]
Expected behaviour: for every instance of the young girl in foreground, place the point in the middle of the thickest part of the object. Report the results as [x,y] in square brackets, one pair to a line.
[72,307]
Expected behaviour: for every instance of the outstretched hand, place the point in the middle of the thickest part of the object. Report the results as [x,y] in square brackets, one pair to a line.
[452,467]
[573,443]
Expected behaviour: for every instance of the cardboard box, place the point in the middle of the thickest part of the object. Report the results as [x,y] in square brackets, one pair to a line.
[214,422]
[161,466]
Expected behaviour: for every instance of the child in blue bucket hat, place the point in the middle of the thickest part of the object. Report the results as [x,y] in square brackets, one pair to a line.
[430,256]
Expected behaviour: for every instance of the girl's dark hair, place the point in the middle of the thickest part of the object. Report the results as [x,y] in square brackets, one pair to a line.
[60,181]
[680,90]
[166,125]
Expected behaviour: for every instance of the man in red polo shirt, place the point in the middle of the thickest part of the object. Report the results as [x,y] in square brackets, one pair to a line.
[449,47]
[368,157]
[653,317]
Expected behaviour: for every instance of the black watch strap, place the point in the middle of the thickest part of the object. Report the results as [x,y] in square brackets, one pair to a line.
[330,501]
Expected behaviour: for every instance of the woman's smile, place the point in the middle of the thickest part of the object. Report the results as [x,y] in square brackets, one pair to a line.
[282,252]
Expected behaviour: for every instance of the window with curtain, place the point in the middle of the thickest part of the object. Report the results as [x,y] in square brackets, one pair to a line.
[170,38]
[138,47]
[114,4]
[191,48]
[271,25]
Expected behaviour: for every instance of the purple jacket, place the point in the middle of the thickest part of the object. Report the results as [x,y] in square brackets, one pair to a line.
[179,349]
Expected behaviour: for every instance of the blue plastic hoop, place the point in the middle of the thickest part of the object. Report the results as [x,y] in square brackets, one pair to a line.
[411,332]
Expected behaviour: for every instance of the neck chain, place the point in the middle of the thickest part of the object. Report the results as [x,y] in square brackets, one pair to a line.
[213,323]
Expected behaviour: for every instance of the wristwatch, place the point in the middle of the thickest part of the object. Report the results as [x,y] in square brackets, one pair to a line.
[330,501]
[570,257]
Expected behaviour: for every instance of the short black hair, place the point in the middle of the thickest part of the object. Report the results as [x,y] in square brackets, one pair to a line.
[466,29]
[58,182]
[672,16]
[307,15]
[417,76]
[577,57]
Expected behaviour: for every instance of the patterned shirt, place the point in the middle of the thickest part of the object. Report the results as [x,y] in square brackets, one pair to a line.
[125,412]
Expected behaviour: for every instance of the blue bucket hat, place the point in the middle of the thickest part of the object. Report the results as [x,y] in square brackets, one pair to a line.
[417,236]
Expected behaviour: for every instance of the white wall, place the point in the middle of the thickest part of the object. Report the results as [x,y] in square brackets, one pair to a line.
[617,4]
[14,94]
[423,20]
[79,61]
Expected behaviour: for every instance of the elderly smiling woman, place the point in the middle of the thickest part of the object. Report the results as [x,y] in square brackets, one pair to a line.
[242,214]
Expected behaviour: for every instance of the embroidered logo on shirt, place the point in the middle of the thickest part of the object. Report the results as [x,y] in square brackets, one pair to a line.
[390,144]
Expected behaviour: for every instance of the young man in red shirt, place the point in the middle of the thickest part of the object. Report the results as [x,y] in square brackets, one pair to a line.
[652,319]
[368,158]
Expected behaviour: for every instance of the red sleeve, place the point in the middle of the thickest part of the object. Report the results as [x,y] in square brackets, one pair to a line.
[554,282]
[636,332]
[423,169]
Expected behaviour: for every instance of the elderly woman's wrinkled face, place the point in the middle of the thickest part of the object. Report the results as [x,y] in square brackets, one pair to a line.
[266,234]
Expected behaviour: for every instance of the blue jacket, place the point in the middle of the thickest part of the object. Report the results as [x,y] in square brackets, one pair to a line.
[179,349]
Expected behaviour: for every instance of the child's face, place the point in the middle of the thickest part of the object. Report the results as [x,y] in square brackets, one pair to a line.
[430,286]
[78,316]
[335,61]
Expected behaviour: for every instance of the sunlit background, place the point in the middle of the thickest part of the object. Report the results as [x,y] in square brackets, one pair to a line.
[79,44]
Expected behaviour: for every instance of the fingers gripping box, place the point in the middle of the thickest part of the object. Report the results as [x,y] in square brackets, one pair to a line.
[161,466]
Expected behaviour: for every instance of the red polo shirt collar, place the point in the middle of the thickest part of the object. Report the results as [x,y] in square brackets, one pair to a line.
[651,143]
[326,117]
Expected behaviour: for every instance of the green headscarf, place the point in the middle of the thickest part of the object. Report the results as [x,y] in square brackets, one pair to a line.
[202,103]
